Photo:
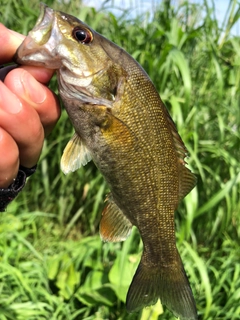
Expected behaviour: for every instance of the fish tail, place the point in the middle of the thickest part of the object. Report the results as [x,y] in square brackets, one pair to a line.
[170,284]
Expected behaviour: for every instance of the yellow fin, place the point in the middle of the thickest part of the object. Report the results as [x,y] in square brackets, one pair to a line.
[74,155]
[114,225]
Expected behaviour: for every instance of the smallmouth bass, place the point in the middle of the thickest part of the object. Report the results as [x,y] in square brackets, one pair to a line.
[123,126]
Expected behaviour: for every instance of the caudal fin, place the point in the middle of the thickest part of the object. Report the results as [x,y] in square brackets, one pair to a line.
[169,284]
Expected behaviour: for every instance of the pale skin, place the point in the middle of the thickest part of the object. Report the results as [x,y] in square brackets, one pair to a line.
[28,111]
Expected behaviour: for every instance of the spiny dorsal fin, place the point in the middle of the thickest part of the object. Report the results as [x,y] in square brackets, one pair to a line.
[187,180]
[74,155]
[114,225]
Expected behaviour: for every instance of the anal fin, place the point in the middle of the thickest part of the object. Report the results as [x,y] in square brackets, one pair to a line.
[114,225]
[74,155]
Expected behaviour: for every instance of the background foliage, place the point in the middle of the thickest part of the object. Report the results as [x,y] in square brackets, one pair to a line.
[52,262]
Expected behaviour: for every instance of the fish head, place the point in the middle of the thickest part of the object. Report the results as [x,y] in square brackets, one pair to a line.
[81,56]
[91,76]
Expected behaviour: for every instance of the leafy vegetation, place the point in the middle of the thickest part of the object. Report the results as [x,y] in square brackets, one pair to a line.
[53,264]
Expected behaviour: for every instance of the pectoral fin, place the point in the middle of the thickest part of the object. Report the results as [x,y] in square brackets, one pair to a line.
[74,155]
[114,225]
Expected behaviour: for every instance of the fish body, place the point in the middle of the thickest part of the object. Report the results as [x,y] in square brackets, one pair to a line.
[123,126]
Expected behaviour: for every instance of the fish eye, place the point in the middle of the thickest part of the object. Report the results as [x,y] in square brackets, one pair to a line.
[82,35]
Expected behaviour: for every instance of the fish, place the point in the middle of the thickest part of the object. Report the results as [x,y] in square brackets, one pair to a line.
[122,125]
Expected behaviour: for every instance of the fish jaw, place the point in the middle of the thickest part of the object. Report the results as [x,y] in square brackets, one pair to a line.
[40,47]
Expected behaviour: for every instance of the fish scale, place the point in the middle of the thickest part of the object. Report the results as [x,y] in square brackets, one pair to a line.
[124,127]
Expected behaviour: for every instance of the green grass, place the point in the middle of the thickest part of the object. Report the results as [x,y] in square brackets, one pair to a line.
[53,264]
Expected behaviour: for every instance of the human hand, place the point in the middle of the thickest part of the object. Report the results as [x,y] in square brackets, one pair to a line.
[28,111]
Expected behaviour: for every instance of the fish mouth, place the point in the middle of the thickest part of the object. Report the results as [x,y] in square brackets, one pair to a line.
[40,44]
[42,29]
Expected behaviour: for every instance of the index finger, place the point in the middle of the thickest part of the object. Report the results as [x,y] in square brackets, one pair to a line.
[9,42]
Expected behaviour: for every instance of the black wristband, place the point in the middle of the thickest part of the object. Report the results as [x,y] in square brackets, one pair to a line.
[7,195]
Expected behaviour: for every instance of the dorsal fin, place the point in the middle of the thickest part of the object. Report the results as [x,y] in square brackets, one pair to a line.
[74,155]
[187,180]
[178,143]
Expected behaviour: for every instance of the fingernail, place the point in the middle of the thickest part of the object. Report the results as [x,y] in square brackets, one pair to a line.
[33,89]
[8,100]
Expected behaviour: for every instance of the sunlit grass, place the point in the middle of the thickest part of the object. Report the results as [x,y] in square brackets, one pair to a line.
[53,264]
